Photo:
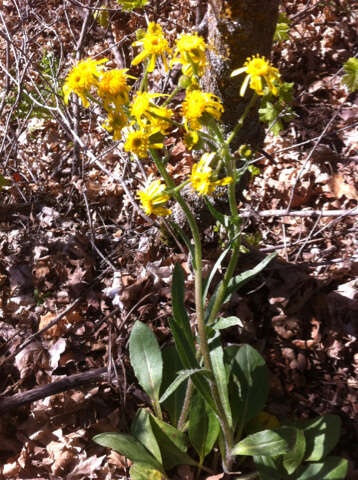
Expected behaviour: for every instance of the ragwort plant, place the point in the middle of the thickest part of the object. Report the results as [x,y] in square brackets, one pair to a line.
[207,400]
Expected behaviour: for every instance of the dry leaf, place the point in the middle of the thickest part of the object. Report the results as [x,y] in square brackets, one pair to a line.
[340,188]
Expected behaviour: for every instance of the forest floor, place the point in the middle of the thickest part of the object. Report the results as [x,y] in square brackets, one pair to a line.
[72,243]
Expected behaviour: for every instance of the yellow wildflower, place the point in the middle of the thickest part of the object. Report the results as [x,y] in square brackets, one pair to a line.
[138,142]
[81,78]
[191,138]
[113,88]
[160,119]
[196,104]
[141,105]
[115,122]
[202,174]
[154,45]
[191,50]
[260,73]
[153,197]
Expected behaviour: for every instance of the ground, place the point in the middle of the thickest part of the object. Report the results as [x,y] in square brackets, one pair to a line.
[73,244]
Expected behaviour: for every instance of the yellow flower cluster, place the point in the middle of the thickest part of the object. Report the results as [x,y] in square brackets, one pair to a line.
[154,46]
[82,78]
[153,197]
[260,73]
[146,121]
[191,54]
[203,178]
[196,105]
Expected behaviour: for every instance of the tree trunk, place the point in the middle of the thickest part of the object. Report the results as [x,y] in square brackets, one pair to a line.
[237,29]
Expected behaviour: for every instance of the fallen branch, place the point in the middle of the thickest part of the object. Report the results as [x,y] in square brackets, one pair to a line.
[300,213]
[38,393]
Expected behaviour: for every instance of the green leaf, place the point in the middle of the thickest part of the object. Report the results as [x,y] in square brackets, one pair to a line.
[129,447]
[183,375]
[250,374]
[177,437]
[333,468]
[267,467]
[184,340]
[220,374]
[139,471]
[129,5]
[172,444]
[146,359]
[227,322]
[198,425]
[141,429]
[204,427]
[351,74]
[239,280]
[179,312]
[190,362]
[4,182]
[267,442]
[293,459]
[322,435]
[282,28]
[213,430]
[173,404]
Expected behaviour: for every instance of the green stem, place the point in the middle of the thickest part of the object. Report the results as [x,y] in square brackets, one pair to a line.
[185,410]
[242,119]
[174,92]
[144,82]
[204,346]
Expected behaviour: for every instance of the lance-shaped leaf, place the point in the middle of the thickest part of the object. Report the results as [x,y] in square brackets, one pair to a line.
[268,442]
[250,374]
[184,339]
[130,448]
[183,375]
[293,459]
[239,280]
[173,401]
[146,359]
[141,429]
[139,471]
[172,444]
[204,427]
[220,374]
[332,468]
[322,435]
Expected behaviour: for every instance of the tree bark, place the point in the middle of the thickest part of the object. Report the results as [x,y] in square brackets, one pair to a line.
[237,29]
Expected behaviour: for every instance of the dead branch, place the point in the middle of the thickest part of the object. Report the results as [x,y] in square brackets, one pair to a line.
[37,393]
[300,213]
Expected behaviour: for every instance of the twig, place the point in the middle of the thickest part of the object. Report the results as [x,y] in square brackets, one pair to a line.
[37,393]
[44,329]
[308,159]
[300,213]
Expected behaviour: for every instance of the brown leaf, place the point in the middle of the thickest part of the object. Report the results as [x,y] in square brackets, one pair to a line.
[340,188]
